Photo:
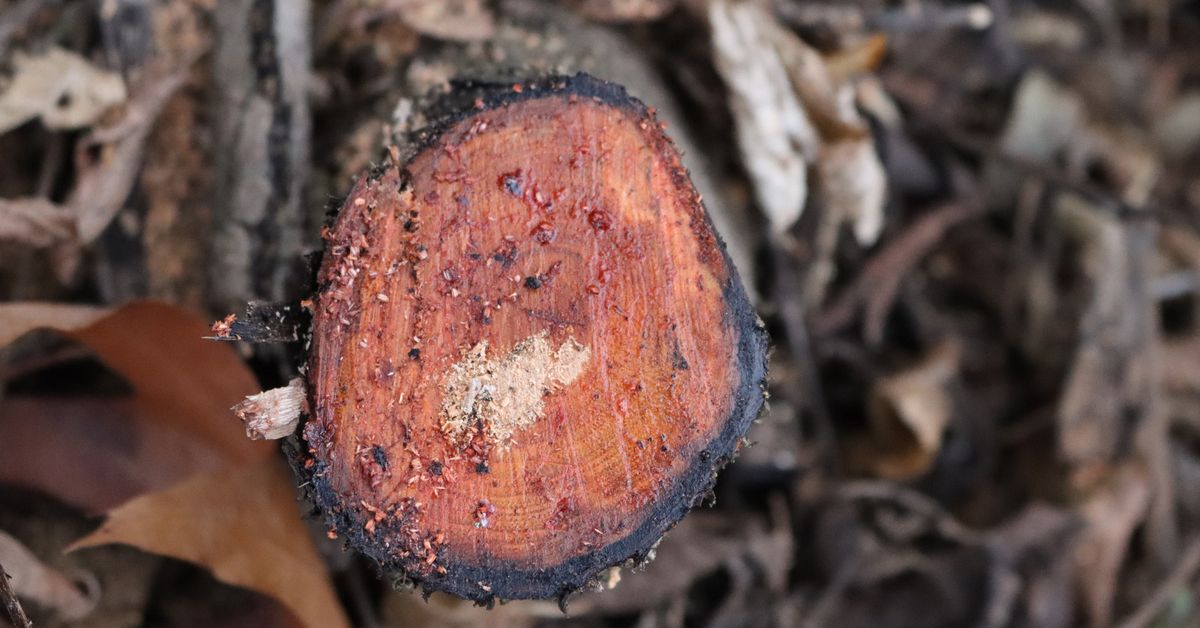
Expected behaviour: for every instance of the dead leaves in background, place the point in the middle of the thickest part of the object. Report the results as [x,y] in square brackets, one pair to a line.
[18,319]
[451,20]
[757,554]
[882,543]
[119,109]
[116,580]
[1113,374]
[874,289]
[1111,515]
[795,115]
[61,88]
[776,137]
[908,413]
[177,377]
[108,160]
[1051,125]
[197,488]
[36,222]
[176,422]
[243,524]
[625,10]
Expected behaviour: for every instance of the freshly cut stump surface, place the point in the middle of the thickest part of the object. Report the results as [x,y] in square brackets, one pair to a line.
[530,351]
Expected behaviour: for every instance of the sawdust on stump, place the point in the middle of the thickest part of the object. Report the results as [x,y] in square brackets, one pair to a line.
[505,394]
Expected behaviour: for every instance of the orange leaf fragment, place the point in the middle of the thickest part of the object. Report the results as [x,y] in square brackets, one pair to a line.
[243,524]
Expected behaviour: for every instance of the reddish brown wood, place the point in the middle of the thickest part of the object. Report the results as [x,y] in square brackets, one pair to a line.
[551,220]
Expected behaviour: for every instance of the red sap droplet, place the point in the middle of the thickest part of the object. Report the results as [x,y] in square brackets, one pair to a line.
[599,220]
[543,233]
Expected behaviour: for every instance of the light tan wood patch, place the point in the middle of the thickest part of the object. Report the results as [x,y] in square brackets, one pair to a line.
[506,393]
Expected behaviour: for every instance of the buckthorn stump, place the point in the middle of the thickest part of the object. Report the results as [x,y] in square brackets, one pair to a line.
[530,352]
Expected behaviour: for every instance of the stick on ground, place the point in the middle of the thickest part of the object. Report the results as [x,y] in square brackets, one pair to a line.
[11,603]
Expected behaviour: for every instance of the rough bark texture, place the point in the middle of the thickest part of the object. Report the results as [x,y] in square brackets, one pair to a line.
[261,71]
[536,237]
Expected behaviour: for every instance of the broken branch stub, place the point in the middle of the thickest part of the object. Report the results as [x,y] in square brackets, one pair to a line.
[530,351]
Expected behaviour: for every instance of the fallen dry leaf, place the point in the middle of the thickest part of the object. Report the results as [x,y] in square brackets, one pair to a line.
[104,182]
[864,56]
[1111,515]
[149,344]
[108,161]
[793,111]
[1123,153]
[776,137]
[1044,117]
[853,186]
[62,88]
[918,401]
[1177,130]
[105,451]
[176,425]
[453,20]
[908,413]
[244,525]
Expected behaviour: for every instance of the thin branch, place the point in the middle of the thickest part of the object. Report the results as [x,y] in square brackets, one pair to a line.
[11,603]
[1184,571]
[795,324]
[874,289]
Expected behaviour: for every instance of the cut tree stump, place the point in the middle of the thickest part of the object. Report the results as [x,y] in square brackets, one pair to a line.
[530,352]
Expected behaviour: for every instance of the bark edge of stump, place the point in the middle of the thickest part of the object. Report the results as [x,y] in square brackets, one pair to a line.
[466,98]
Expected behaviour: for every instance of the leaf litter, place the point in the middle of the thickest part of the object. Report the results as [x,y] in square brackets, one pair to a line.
[188,461]
[1014,181]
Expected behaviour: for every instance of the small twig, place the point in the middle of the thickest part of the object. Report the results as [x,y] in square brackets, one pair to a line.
[263,323]
[791,313]
[923,18]
[1184,571]
[11,603]
[1004,587]
[874,289]
[913,502]
[930,17]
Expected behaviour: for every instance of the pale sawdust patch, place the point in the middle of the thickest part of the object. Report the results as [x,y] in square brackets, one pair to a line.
[506,393]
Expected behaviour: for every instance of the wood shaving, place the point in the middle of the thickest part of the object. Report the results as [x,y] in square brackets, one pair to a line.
[273,414]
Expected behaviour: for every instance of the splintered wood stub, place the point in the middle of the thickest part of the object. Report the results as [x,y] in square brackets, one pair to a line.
[530,352]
